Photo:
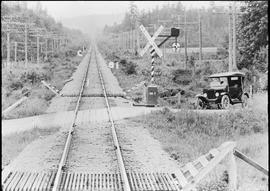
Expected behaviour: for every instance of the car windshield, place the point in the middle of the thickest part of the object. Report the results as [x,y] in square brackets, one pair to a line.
[218,82]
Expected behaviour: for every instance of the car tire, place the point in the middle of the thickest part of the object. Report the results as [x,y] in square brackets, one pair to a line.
[200,104]
[225,102]
[244,101]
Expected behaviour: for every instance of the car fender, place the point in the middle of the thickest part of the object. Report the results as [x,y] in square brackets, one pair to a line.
[201,97]
[198,95]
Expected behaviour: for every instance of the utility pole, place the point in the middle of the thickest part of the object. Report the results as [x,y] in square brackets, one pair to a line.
[8,49]
[15,52]
[185,36]
[46,50]
[37,49]
[25,45]
[230,40]
[234,37]
[200,39]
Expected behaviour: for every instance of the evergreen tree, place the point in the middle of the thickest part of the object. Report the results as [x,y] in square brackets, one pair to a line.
[253,34]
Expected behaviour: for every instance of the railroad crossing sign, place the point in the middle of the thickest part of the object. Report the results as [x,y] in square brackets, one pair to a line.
[176,46]
[151,41]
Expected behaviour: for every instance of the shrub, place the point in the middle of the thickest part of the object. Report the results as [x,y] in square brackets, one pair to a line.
[182,76]
[130,68]
[15,85]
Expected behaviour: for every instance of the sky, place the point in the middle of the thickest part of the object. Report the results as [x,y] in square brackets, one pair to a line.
[67,9]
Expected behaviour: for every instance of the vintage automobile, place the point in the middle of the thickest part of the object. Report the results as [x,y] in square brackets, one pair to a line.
[225,89]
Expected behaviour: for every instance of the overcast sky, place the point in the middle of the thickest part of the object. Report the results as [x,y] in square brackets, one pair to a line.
[66,9]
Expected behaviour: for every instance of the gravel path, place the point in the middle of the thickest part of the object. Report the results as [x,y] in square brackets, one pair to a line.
[92,149]
[141,152]
[41,155]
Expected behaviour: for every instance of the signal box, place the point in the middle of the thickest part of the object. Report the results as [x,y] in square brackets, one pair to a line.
[151,95]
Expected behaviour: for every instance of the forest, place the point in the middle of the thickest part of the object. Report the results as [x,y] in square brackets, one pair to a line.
[17,12]
[251,27]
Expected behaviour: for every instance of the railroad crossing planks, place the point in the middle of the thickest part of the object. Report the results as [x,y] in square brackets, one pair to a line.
[87,181]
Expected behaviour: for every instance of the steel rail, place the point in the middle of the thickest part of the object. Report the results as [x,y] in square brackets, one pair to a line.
[61,165]
[120,160]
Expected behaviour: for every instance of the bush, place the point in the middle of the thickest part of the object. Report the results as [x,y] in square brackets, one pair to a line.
[129,68]
[215,125]
[15,85]
[181,76]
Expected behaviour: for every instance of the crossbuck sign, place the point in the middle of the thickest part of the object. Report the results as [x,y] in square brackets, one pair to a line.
[151,41]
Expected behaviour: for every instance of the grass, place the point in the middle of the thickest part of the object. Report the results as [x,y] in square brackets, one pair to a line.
[13,144]
[55,72]
[165,78]
[186,135]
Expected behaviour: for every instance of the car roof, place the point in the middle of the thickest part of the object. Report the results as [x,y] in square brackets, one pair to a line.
[225,74]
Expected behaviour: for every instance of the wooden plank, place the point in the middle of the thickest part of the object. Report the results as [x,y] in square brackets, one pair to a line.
[250,161]
[31,181]
[137,183]
[152,186]
[214,152]
[193,171]
[16,181]
[44,181]
[140,179]
[36,182]
[167,183]
[130,178]
[51,181]
[9,179]
[153,181]
[174,182]
[181,178]
[229,147]
[13,106]
[40,181]
[159,182]
[232,172]
[203,160]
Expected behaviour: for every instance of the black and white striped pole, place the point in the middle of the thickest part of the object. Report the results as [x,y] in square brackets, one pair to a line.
[154,48]
[152,52]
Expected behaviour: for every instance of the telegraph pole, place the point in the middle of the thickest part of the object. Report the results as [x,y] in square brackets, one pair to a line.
[25,45]
[185,36]
[200,39]
[8,49]
[15,52]
[230,40]
[37,49]
[234,37]
[46,50]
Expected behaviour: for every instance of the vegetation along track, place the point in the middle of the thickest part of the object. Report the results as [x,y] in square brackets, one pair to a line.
[120,162]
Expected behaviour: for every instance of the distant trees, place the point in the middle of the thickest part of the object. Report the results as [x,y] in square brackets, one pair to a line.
[213,26]
[41,19]
[253,34]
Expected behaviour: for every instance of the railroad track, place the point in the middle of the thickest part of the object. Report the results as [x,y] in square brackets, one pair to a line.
[61,167]
[62,179]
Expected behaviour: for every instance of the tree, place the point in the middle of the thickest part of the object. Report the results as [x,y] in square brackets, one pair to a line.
[253,34]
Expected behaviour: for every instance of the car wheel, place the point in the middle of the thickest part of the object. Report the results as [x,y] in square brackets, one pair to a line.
[245,101]
[200,104]
[225,102]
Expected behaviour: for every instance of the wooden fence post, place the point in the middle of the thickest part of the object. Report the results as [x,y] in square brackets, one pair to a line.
[250,91]
[232,172]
